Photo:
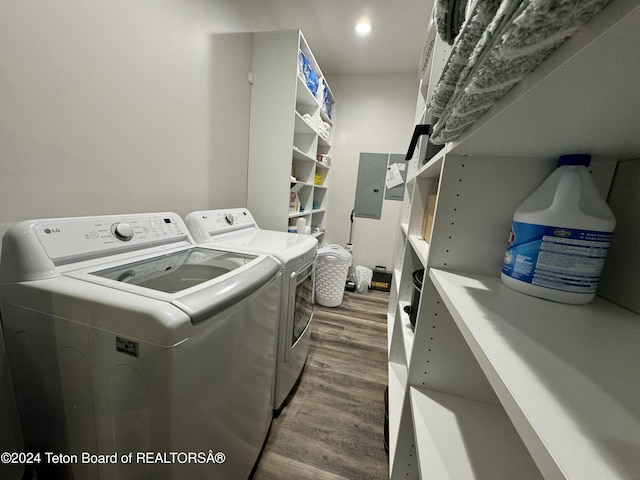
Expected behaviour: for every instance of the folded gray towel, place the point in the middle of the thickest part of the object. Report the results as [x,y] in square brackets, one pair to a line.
[449,17]
[457,69]
[520,35]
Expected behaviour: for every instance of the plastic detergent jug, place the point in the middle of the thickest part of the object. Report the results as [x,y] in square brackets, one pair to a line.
[560,236]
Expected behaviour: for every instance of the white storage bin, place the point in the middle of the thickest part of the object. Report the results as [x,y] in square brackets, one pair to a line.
[331,274]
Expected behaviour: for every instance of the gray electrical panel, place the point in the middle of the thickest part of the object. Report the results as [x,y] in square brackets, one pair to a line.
[372,170]
[371,186]
[397,192]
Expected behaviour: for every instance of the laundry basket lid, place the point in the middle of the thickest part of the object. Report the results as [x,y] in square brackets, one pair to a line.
[334,249]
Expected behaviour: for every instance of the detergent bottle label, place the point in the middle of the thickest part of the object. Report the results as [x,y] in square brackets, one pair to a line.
[565,259]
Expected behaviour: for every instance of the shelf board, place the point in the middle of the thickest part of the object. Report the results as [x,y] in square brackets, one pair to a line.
[421,247]
[317,234]
[432,168]
[304,95]
[323,142]
[397,273]
[298,214]
[304,184]
[390,322]
[565,374]
[397,386]
[302,126]
[597,109]
[408,335]
[461,439]
[300,155]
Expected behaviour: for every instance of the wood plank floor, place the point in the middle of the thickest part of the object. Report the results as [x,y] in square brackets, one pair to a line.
[332,427]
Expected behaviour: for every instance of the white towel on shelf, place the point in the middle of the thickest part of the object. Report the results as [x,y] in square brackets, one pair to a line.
[324,130]
[519,35]
[309,119]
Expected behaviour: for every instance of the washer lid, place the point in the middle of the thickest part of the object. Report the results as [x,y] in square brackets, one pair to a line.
[199,281]
[177,271]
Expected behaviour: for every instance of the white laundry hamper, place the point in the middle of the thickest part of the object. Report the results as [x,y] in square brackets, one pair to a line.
[331,274]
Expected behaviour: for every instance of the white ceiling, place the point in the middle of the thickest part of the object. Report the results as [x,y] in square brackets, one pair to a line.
[394,46]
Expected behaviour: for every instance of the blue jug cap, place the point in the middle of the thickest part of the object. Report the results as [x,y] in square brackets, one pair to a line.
[575,159]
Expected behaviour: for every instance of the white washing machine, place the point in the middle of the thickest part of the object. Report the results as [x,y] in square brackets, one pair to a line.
[128,341]
[236,229]
[11,436]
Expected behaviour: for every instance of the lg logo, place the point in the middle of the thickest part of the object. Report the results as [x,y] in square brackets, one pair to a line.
[51,230]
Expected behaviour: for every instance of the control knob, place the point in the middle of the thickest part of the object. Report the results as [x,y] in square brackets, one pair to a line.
[229,218]
[122,231]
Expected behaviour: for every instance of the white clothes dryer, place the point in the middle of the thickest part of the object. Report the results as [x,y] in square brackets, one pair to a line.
[128,342]
[237,229]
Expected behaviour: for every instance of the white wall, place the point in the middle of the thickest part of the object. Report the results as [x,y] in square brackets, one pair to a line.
[115,107]
[109,107]
[374,114]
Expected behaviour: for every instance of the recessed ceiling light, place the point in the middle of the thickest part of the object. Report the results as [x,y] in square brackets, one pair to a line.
[364,28]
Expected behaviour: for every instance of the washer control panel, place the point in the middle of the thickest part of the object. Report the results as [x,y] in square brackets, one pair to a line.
[72,238]
[122,231]
[221,221]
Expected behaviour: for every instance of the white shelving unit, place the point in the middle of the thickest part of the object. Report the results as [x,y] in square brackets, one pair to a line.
[570,406]
[462,437]
[494,384]
[285,136]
